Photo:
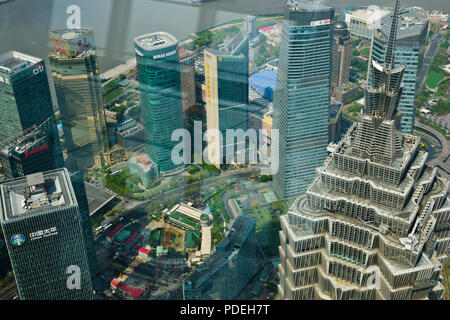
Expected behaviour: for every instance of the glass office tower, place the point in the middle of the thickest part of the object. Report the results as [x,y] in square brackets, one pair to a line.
[25,99]
[76,76]
[34,151]
[159,81]
[79,189]
[302,95]
[226,80]
[42,225]
[374,224]
[411,44]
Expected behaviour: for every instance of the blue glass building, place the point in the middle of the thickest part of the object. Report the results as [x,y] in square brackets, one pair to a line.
[302,95]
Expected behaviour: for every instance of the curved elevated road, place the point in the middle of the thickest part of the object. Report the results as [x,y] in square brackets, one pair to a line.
[439,160]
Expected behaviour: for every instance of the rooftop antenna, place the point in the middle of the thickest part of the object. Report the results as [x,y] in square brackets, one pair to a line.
[389,59]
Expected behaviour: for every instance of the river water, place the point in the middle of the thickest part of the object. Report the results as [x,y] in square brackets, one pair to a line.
[24,24]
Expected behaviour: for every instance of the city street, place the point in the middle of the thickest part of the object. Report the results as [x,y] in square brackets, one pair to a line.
[428,57]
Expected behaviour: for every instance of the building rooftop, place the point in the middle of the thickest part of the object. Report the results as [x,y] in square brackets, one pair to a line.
[127,124]
[97,197]
[132,238]
[144,251]
[302,5]
[411,22]
[115,230]
[143,161]
[130,129]
[71,35]
[368,14]
[72,43]
[205,246]
[123,235]
[188,211]
[341,25]
[155,41]
[12,62]
[263,79]
[24,142]
[35,193]
[133,291]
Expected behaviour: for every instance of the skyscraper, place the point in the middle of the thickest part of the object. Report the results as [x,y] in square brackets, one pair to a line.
[361,21]
[411,44]
[76,76]
[302,95]
[374,224]
[79,189]
[187,78]
[226,80]
[249,27]
[341,54]
[25,99]
[229,269]
[159,82]
[42,226]
[34,150]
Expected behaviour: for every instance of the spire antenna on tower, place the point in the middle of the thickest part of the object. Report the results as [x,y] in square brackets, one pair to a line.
[389,59]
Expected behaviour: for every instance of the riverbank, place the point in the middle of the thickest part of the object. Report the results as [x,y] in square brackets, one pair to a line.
[122,68]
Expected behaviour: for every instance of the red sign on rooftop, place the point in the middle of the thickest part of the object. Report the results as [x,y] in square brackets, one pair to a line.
[36,150]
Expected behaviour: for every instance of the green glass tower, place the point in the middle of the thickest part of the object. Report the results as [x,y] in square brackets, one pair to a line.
[25,99]
[76,76]
[159,81]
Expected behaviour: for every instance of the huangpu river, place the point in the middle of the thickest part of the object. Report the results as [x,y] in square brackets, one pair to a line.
[24,24]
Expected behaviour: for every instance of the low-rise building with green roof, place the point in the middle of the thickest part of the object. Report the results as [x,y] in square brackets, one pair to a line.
[123,235]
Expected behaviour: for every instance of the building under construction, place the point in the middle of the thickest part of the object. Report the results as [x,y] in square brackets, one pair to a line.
[375,221]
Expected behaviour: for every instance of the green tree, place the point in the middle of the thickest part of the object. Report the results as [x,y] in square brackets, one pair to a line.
[263,38]
[204,38]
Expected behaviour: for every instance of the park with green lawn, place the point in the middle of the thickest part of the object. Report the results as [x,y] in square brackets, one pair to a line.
[434,78]
[365,52]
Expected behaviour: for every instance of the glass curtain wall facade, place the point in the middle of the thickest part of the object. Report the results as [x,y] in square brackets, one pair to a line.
[411,45]
[226,80]
[302,95]
[45,238]
[25,99]
[83,206]
[36,151]
[374,223]
[159,82]
[78,89]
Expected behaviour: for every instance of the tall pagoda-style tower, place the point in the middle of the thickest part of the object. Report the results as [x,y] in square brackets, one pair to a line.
[375,222]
